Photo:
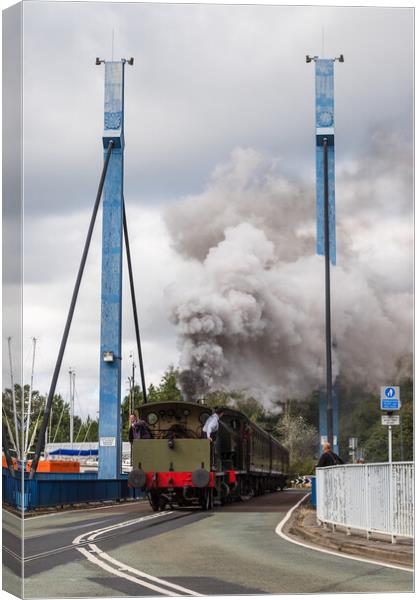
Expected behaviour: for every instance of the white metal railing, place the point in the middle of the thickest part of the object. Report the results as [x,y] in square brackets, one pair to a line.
[375,497]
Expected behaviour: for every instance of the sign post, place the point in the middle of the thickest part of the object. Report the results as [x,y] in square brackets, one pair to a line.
[389,443]
[390,401]
[353,441]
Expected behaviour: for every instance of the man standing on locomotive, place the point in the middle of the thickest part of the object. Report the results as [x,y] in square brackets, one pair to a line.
[138,430]
[210,429]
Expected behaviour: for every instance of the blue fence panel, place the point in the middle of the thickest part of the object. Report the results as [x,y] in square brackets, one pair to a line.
[57,489]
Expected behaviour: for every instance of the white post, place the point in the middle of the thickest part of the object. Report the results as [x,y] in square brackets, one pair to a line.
[367,496]
[15,419]
[391,503]
[28,420]
[389,443]
[72,374]
[391,492]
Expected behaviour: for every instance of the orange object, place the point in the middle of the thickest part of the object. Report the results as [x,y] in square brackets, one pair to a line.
[56,466]
[4,462]
[48,466]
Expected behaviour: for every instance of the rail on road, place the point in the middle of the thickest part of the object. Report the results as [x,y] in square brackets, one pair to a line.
[376,498]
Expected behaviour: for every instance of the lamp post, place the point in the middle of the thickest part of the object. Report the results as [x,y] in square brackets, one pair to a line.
[325,194]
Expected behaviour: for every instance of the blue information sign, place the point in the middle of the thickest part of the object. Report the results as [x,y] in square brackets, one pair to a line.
[390,397]
[389,404]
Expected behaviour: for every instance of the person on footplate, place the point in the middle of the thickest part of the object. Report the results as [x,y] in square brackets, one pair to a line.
[329,458]
[210,429]
[138,430]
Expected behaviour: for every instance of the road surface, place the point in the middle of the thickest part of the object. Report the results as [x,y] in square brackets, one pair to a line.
[127,550]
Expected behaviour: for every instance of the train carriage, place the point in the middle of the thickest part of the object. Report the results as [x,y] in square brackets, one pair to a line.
[178,467]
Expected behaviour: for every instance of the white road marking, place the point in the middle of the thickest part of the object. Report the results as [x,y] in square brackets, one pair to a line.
[103,565]
[141,573]
[95,555]
[280,532]
[94,534]
[67,512]
[62,528]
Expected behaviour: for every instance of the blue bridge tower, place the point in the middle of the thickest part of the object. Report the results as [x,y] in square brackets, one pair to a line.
[111,292]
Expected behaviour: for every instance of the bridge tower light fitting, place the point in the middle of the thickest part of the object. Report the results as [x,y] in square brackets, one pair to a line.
[129,61]
[309,59]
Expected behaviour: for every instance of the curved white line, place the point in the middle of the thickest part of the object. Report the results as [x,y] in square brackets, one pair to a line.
[279,531]
[141,573]
[95,532]
[95,555]
[118,573]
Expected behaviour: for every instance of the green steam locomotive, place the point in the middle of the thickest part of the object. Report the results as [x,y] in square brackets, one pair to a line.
[177,467]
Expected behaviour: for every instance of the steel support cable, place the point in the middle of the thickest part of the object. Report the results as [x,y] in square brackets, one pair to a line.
[41,436]
[9,430]
[6,451]
[31,443]
[86,434]
[327,297]
[59,423]
[133,301]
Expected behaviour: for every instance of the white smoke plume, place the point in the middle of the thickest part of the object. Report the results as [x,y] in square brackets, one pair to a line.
[251,315]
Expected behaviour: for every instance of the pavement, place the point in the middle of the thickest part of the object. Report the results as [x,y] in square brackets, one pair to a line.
[303,526]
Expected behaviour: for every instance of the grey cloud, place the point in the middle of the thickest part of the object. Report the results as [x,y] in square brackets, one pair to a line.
[206,80]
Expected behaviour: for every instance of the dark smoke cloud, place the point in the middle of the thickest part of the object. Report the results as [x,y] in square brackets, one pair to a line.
[251,314]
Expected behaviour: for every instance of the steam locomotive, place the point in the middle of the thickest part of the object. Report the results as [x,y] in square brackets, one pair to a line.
[177,467]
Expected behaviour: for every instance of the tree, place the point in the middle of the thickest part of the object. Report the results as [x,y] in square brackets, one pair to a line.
[301,439]
[167,391]
[360,416]
[253,409]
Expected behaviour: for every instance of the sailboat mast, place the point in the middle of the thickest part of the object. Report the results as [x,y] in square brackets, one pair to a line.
[28,420]
[15,418]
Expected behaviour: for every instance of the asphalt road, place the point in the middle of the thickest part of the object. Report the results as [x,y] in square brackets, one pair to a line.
[232,550]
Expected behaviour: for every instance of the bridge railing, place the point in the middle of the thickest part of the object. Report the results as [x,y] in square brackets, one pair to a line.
[375,497]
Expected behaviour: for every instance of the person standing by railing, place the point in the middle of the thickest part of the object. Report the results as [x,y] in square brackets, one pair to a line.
[329,458]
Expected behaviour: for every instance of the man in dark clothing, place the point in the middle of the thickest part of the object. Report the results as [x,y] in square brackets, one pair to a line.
[328,458]
[138,430]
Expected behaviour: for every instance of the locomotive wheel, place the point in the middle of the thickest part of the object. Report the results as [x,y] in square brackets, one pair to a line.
[154,501]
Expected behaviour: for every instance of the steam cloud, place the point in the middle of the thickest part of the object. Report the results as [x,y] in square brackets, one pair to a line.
[250,316]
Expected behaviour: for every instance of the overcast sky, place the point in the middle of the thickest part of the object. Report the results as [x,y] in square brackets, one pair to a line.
[207,81]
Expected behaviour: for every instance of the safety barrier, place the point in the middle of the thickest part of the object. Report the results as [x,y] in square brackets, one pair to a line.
[56,489]
[373,497]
